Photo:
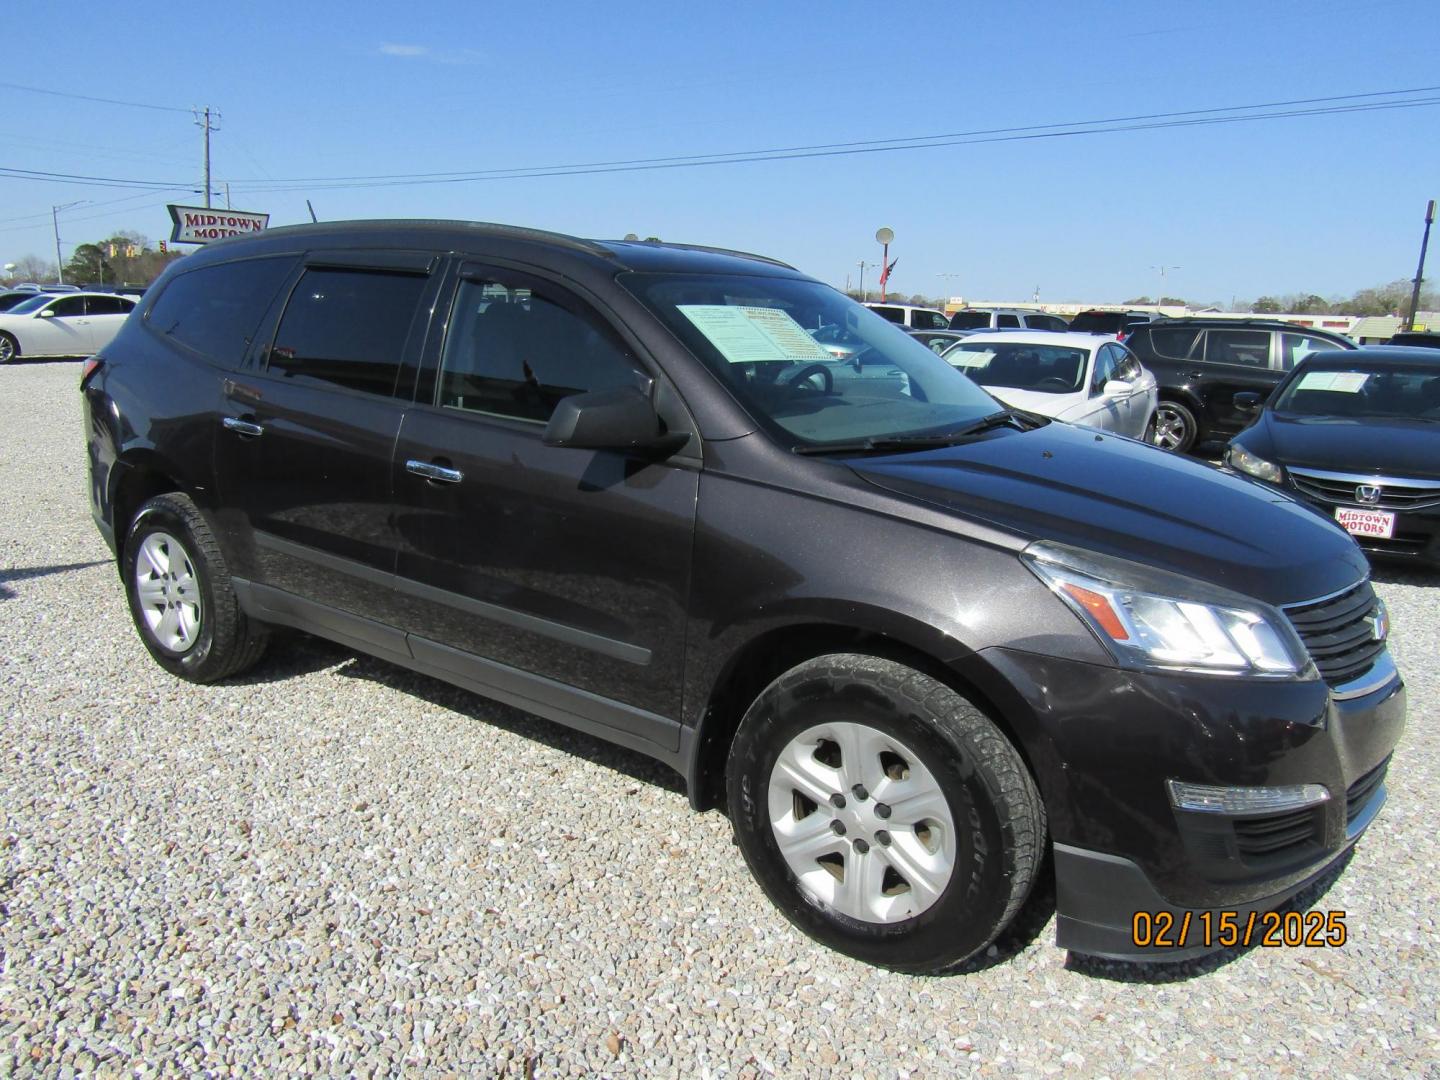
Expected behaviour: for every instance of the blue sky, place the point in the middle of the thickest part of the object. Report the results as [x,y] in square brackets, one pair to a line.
[1324,203]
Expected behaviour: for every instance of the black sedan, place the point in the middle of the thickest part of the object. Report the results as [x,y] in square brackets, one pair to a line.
[1356,434]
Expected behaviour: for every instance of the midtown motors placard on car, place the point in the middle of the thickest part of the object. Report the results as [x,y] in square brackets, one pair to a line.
[200,224]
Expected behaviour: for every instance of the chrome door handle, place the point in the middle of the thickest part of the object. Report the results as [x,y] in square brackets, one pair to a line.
[434,472]
[242,427]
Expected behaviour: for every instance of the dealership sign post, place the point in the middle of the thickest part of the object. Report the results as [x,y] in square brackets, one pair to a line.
[200,224]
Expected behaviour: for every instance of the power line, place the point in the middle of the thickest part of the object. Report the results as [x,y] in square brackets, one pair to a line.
[87,97]
[1144,122]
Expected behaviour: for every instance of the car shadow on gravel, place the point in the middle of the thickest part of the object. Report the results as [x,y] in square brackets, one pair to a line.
[25,573]
[1127,971]
[300,654]
[1405,575]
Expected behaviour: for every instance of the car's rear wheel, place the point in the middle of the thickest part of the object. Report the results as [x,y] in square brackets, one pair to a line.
[9,347]
[883,813]
[181,597]
[1175,427]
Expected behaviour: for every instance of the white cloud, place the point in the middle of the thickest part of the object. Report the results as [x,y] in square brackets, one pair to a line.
[389,49]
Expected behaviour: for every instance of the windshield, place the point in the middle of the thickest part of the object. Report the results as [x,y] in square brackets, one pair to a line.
[35,303]
[809,364]
[1375,393]
[1048,369]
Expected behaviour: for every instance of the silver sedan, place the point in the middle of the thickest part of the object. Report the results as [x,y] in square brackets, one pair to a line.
[1081,378]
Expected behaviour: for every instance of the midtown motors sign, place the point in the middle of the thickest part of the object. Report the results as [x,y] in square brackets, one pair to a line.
[200,225]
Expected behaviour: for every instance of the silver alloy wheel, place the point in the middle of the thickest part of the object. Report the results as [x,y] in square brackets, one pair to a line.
[861,822]
[1171,429]
[7,349]
[168,592]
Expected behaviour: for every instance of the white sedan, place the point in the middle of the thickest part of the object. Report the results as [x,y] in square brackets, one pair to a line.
[1081,378]
[70,324]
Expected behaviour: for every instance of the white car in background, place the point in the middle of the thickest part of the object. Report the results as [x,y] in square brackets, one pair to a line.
[70,324]
[1080,378]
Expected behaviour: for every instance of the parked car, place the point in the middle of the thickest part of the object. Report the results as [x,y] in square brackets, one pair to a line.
[16,296]
[1079,378]
[917,642]
[1356,434]
[1005,319]
[1418,339]
[1201,364]
[70,324]
[911,317]
[1118,324]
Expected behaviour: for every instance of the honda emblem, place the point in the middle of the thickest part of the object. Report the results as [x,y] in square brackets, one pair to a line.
[1368,494]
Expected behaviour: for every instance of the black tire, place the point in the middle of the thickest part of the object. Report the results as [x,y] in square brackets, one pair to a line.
[1175,427]
[226,642]
[9,348]
[999,835]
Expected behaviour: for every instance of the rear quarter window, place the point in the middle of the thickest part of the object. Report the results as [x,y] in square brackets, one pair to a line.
[214,310]
[1169,343]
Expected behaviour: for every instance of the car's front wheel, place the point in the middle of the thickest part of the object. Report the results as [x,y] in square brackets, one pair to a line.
[1174,427]
[180,594]
[9,347]
[883,813]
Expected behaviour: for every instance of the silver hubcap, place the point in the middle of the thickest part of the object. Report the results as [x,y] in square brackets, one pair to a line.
[1170,429]
[7,350]
[169,594]
[861,822]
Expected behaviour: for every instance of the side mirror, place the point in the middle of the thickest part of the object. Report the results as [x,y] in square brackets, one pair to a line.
[47,313]
[620,419]
[1116,388]
[1247,401]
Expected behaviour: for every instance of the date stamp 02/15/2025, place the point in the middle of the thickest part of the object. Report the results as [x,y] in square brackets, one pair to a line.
[1229,929]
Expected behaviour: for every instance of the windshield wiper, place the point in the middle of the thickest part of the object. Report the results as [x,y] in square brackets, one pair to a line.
[887,443]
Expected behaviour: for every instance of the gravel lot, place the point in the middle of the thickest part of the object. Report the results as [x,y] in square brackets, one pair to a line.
[336,866]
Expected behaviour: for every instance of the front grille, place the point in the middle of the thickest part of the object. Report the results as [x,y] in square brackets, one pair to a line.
[1338,633]
[1339,489]
[1273,834]
[1363,790]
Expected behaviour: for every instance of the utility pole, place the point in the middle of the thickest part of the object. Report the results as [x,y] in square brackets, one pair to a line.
[863,264]
[945,289]
[1420,270]
[55,221]
[209,121]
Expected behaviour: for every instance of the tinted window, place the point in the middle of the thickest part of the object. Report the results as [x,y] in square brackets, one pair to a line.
[1046,322]
[1295,347]
[35,303]
[1249,348]
[970,320]
[71,305]
[1097,322]
[107,305]
[215,309]
[515,352]
[1007,321]
[1171,342]
[347,328]
[890,314]
[9,300]
[931,320]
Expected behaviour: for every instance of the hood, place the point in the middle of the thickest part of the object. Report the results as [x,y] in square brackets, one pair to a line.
[1383,447]
[1125,498]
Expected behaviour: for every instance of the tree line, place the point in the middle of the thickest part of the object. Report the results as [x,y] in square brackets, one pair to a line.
[126,258]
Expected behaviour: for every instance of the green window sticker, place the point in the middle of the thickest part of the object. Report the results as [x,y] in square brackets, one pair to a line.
[1340,382]
[748,335]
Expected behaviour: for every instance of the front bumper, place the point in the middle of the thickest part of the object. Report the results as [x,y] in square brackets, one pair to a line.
[1416,537]
[1102,742]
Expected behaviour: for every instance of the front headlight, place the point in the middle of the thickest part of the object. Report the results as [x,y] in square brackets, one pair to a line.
[1154,619]
[1241,460]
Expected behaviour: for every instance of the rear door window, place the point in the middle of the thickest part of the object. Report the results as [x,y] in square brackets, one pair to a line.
[347,328]
[931,320]
[970,320]
[107,305]
[215,310]
[890,314]
[1245,348]
[1008,321]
